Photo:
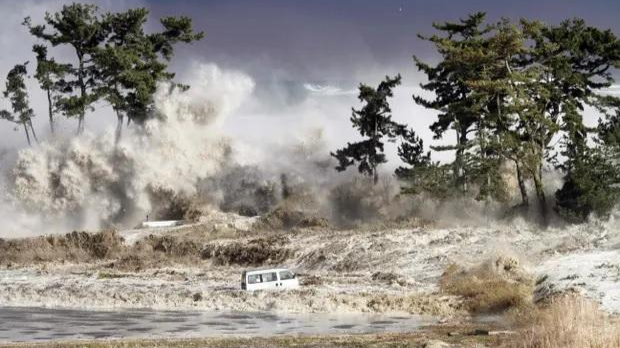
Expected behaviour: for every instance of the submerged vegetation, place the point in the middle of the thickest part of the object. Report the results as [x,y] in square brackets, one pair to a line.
[492,287]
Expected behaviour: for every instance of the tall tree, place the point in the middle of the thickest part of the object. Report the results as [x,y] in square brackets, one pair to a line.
[132,62]
[499,94]
[374,122]
[420,174]
[592,166]
[592,176]
[50,76]
[574,62]
[16,92]
[116,59]
[79,27]
[120,63]
[462,51]
[514,89]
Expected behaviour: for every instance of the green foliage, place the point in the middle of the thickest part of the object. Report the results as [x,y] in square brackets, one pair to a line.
[591,186]
[374,122]
[127,66]
[588,56]
[421,175]
[462,49]
[508,91]
[116,59]
[466,83]
[51,79]
[15,91]
[592,180]
[176,29]
[80,27]
[132,62]
[430,179]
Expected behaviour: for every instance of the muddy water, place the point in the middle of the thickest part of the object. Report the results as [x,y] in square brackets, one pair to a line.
[37,324]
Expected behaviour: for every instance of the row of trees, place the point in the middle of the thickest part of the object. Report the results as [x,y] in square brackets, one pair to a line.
[513,95]
[115,60]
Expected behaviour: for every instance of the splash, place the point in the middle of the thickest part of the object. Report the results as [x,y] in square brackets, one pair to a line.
[327,90]
[89,181]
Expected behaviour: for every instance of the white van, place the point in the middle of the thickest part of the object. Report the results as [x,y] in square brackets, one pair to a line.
[276,278]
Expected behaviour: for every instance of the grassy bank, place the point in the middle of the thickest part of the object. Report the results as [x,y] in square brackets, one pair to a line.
[449,334]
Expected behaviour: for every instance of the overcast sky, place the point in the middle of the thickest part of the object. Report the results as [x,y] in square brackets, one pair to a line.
[283,44]
[337,39]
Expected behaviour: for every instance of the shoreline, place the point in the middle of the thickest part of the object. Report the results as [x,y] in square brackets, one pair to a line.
[462,334]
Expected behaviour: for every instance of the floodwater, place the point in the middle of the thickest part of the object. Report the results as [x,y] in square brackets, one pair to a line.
[21,324]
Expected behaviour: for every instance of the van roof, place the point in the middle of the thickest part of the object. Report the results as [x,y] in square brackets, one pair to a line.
[265,270]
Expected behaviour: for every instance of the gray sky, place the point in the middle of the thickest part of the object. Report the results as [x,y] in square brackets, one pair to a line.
[337,40]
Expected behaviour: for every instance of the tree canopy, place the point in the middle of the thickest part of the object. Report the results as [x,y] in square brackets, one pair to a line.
[15,91]
[374,123]
[116,60]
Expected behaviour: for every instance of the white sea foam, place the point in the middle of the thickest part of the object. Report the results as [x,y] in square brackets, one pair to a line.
[89,181]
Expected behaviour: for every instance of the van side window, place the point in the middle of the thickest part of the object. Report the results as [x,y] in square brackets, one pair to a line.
[254,278]
[270,277]
[286,275]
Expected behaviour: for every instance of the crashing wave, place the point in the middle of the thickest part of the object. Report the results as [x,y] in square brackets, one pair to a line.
[88,181]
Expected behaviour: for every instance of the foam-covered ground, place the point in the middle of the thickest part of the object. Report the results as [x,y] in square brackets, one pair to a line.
[390,270]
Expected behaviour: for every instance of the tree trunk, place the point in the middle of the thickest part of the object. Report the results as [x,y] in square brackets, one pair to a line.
[540,194]
[82,94]
[119,127]
[461,140]
[34,135]
[482,143]
[524,199]
[27,134]
[50,110]
[375,175]
[80,127]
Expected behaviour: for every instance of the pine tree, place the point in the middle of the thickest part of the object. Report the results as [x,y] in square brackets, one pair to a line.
[578,62]
[499,96]
[463,54]
[132,63]
[127,79]
[79,27]
[16,92]
[50,76]
[374,122]
[421,174]
[592,179]
[116,59]
[513,89]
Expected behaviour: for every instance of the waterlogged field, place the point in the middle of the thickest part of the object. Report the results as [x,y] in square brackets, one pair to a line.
[447,274]
[345,271]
